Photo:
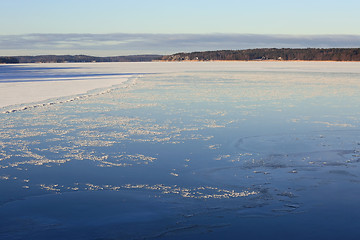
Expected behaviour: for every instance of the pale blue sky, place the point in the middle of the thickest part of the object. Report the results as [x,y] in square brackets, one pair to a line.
[185,16]
[285,17]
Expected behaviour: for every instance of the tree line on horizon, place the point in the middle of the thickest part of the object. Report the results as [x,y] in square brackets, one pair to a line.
[301,54]
[78,58]
[305,54]
[9,60]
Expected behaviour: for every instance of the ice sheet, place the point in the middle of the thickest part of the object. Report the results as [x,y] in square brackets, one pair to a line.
[25,83]
[185,151]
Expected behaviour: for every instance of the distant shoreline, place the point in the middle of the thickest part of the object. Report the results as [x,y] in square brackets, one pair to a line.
[270,60]
[76,59]
[271,54]
[190,61]
[258,54]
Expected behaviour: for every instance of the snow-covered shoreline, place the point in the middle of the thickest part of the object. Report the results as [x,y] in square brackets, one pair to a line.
[15,94]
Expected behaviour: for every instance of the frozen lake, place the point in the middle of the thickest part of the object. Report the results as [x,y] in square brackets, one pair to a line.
[209,150]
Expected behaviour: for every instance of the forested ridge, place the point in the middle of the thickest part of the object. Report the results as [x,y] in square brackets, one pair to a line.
[77,58]
[305,54]
[293,54]
[9,60]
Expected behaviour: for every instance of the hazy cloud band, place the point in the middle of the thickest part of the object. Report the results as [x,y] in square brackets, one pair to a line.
[124,44]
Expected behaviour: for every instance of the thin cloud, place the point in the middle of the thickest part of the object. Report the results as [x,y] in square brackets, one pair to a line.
[122,43]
